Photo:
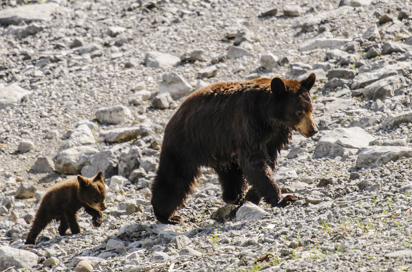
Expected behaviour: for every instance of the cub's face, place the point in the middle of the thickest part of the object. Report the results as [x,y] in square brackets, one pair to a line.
[93,191]
[296,105]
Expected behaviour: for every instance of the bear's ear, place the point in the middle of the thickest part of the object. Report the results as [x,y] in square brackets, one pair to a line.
[82,181]
[98,177]
[308,82]
[278,87]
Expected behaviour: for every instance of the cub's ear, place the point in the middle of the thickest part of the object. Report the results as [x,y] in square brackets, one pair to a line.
[82,181]
[278,88]
[99,176]
[308,82]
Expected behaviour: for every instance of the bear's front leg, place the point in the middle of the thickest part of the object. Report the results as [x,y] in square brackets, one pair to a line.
[97,216]
[259,175]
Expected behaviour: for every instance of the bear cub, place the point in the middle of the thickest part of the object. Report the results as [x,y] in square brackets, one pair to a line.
[64,200]
[238,129]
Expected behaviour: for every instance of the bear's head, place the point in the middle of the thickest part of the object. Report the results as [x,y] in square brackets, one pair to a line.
[93,191]
[295,106]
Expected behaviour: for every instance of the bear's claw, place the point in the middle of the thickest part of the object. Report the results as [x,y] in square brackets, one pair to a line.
[287,200]
[97,221]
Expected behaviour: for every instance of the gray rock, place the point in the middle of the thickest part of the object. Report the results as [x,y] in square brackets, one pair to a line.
[323,43]
[385,19]
[162,101]
[129,161]
[298,69]
[25,146]
[149,164]
[105,160]
[180,241]
[269,61]
[82,135]
[51,262]
[113,115]
[383,88]
[115,30]
[22,32]
[8,202]
[209,71]
[292,10]
[360,3]
[137,174]
[242,36]
[249,211]
[377,155]
[326,181]
[94,261]
[190,252]
[77,42]
[269,13]
[222,214]
[139,97]
[311,24]
[237,52]
[392,47]
[87,49]
[119,135]
[341,73]
[12,95]
[174,84]
[25,191]
[372,33]
[27,14]
[159,256]
[72,160]
[399,254]
[283,174]
[193,55]
[83,266]
[335,142]
[160,60]
[115,244]
[17,258]
[393,122]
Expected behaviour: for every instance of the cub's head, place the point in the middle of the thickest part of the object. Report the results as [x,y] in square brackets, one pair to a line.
[93,191]
[295,106]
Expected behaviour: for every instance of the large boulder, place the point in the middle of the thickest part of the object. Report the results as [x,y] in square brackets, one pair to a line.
[160,60]
[392,122]
[129,161]
[377,155]
[106,160]
[335,142]
[17,258]
[27,14]
[383,88]
[174,84]
[11,95]
[72,160]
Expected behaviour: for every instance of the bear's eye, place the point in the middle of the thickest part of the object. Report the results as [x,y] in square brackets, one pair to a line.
[299,113]
[96,200]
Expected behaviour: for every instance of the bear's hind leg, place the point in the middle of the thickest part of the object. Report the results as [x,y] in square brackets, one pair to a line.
[40,222]
[233,184]
[170,188]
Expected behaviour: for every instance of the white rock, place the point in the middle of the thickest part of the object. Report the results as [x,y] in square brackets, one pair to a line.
[392,122]
[82,135]
[94,261]
[292,10]
[25,191]
[372,33]
[174,84]
[118,180]
[72,160]
[180,241]
[160,60]
[209,71]
[129,161]
[148,164]
[322,43]
[25,146]
[138,97]
[283,174]
[159,256]
[237,52]
[115,244]
[196,54]
[162,101]
[11,95]
[336,141]
[190,252]
[105,160]
[377,155]
[269,61]
[113,115]
[115,30]
[119,135]
[249,211]
[27,14]
[139,86]
[17,258]
[383,88]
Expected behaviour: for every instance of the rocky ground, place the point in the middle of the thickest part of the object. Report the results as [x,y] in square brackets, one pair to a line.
[88,86]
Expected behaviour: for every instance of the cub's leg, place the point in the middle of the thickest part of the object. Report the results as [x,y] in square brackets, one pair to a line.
[63,226]
[40,222]
[171,187]
[72,220]
[233,184]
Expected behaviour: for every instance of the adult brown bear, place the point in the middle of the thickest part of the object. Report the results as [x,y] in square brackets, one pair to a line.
[238,129]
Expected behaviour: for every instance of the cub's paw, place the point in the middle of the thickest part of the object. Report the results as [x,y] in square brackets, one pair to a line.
[287,200]
[97,221]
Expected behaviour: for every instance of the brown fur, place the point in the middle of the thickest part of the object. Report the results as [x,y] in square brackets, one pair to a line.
[64,200]
[237,128]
